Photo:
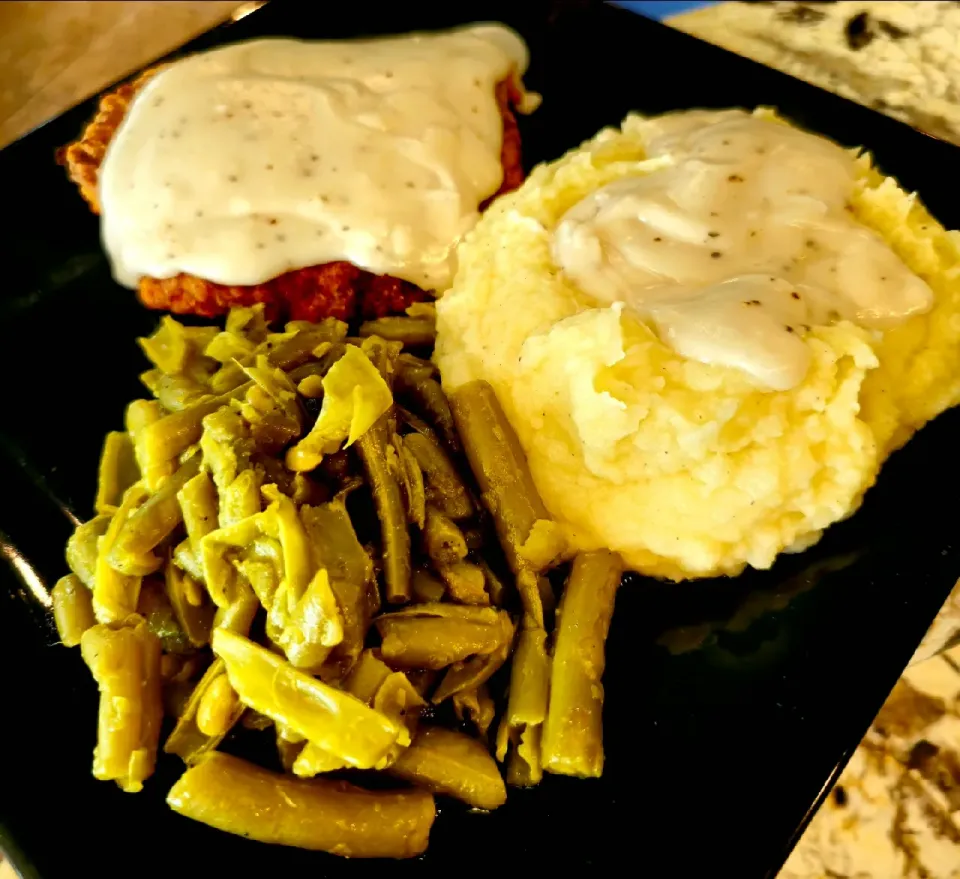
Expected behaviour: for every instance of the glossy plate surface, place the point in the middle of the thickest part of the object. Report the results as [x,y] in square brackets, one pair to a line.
[715,755]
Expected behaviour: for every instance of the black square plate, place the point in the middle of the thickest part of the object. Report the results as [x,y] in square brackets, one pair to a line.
[715,756]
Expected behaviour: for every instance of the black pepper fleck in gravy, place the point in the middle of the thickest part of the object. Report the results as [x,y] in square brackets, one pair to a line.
[891,30]
[801,14]
[858,32]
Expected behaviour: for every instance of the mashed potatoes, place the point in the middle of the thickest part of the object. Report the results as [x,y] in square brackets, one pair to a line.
[687,468]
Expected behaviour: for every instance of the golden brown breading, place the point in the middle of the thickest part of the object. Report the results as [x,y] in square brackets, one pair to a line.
[336,289]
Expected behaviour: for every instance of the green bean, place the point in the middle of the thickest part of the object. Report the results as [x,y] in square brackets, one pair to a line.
[151,524]
[430,636]
[164,439]
[573,735]
[336,549]
[288,751]
[218,708]
[238,615]
[313,760]
[154,606]
[427,396]
[372,447]
[448,762]
[500,593]
[416,423]
[190,603]
[412,331]
[240,499]
[187,740]
[150,379]
[72,609]
[521,727]
[226,445]
[383,355]
[529,538]
[287,354]
[426,587]
[125,662]
[331,719]
[118,471]
[226,347]
[412,481]
[198,503]
[472,673]
[465,582]
[175,348]
[528,585]
[311,626]
[188,561]
[115,595]
[155,465]
[417,365]
[320,367]
[82,548]
[444,488]
[399,700]
[176,392]
[442,539]
[248,322]
[367,676]
[238,797]
[476,707]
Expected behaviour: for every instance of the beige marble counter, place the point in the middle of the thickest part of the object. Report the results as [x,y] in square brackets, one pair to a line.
[895,813]
[53,55]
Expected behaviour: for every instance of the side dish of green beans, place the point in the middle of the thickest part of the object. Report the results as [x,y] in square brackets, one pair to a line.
[300,536]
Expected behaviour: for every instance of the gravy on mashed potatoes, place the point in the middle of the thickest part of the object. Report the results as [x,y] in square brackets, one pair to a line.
[709,329]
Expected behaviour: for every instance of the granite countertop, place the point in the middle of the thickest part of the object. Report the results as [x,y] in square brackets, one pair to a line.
[896,809]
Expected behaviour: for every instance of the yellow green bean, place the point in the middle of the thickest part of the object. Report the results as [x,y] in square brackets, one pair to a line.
[115,595]
[333,720]
[438,635]
[411,331]
[190,603]
[125,662]
[82,548]
[442,484]
[118,471]
[477,707]
[573,734]
[448,762]
[529,538]
[187,740]
[150,524]
[443,540]
[72,609]
[238,797]
[465,582]
[372,447]
[521,728]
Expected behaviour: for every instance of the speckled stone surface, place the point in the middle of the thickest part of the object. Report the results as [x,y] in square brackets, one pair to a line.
[900,58]
[895,813]
[55,54]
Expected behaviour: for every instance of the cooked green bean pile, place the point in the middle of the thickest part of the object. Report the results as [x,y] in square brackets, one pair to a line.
[300,536]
